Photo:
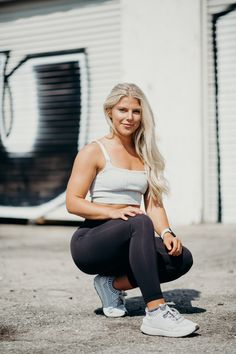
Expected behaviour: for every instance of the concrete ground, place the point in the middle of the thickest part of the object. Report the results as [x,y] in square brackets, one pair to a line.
[48,306]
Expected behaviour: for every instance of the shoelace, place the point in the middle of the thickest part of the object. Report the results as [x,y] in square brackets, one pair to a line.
[120,300]
[172,314]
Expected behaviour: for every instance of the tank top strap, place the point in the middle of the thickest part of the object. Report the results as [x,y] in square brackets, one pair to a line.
[105,153]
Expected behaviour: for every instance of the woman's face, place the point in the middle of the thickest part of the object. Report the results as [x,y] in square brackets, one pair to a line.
[126,115]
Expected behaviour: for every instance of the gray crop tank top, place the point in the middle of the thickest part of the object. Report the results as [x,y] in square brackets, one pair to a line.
[115,185]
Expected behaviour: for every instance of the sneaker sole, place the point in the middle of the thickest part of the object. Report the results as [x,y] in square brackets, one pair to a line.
[116,313]
[159,332]
[123,313]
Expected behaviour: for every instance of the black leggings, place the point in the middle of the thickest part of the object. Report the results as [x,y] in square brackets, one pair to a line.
[128,247]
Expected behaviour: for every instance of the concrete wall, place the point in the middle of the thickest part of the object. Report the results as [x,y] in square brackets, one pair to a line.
[161,52]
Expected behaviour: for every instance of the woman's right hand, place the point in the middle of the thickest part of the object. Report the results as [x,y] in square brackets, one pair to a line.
[122,212]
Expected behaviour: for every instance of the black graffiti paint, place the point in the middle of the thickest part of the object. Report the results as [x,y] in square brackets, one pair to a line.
[36,176]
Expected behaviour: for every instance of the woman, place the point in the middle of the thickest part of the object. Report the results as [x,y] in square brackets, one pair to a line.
[117,240]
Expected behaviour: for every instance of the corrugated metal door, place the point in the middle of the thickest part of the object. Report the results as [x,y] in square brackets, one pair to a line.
[58,61]
[221,201]
[226,67]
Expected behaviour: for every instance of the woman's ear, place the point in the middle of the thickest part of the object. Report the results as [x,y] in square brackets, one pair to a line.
[109,113]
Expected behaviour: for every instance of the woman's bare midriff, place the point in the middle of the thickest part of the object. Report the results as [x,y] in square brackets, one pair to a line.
[118,206]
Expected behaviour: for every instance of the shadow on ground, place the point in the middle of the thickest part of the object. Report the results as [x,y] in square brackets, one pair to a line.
[7,333]
[179,298]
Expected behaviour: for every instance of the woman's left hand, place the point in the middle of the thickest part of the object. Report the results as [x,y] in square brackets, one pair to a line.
[173,244]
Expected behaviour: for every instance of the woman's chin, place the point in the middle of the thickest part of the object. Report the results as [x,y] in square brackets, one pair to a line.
[126,132]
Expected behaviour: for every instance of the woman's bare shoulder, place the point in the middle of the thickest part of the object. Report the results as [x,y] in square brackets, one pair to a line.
[90,152]
[90,148]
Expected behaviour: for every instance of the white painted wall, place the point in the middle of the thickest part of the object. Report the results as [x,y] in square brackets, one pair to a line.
[161,52]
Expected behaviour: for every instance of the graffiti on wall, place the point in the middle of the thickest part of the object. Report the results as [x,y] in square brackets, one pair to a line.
[42,119]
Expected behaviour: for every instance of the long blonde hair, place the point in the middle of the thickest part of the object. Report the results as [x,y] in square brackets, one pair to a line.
[144,139]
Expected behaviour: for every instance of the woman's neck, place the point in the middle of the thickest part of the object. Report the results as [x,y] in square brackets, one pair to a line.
[125,141]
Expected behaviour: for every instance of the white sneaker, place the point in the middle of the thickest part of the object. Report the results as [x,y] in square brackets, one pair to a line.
[113,301]
[168,322]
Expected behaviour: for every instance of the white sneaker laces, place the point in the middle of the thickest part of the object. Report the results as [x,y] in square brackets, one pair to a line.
[173,314]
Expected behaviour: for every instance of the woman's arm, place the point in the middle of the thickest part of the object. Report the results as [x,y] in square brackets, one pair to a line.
[84,170]
[160,221]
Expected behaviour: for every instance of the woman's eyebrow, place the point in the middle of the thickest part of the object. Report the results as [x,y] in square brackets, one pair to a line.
[138,108]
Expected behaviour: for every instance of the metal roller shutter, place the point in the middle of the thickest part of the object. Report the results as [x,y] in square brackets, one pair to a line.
[58,61]
[221,201]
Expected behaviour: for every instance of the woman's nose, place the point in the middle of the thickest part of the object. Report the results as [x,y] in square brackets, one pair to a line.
[130,114]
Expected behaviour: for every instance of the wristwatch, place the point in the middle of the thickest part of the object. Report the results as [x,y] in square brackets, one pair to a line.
[167,230]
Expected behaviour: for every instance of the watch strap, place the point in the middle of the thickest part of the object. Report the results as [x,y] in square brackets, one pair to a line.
[167,230]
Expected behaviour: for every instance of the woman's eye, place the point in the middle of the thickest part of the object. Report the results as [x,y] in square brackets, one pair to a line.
[137,112]
[122,110]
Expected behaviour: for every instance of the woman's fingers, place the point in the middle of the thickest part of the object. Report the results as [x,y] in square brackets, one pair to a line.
[124,212]
[173,242]
[177,247]
[180,248]
[136,211]
[124,217]
[130,213]
[169,245]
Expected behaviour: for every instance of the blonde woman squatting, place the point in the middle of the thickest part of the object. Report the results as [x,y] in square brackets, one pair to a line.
[118,241]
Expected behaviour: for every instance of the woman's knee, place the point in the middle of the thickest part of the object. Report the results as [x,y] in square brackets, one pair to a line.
[179,266]
[187,260]
[141,220]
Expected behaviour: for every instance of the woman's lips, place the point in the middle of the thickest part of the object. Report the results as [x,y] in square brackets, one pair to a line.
[128,125]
